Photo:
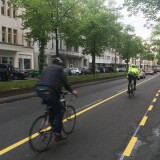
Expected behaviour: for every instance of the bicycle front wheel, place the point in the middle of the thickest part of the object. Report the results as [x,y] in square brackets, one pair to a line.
[40,134]
[69,120]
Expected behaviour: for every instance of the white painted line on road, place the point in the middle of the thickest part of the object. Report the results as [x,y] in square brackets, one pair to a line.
[90,104]
[133,140]
[138,84]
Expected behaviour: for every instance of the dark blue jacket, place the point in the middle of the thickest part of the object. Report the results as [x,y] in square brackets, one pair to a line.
[55,78]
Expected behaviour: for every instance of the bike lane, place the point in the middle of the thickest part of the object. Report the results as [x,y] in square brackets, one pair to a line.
[100,131]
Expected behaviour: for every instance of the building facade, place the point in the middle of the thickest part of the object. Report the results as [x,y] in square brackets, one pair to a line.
[14,49]
[71,55]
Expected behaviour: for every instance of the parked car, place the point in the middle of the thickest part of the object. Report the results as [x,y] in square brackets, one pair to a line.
[33,73]
[6,71]
[83,70]
[111,69]
[75,71]
[19,74]
[122,70]
[155,70]
[158,69]
[150,71]
[142,73]
[67,71]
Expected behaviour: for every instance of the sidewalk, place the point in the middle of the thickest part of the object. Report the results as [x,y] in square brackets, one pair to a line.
[20,94]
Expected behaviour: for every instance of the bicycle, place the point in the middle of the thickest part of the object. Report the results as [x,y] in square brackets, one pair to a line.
[131,90]
[41,130]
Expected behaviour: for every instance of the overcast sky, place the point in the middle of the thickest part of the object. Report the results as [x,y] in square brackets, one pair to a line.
[136,21]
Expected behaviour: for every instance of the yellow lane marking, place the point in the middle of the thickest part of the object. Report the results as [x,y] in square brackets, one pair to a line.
[130,146]
[21,142]
[14,146]
[154,100]
[150,107]
[79,113]
[143,121]
[36,134]
[157,95]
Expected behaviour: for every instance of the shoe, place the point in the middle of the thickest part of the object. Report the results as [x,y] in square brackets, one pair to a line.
[59,138]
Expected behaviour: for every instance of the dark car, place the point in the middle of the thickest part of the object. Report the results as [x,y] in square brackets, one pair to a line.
[6,71]
[155,70]
[67,71]
[33,73]
[111,69]
[102,69]
[19,74]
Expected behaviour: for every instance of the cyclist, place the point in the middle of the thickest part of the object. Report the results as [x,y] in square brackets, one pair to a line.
[49,89]
[133,74]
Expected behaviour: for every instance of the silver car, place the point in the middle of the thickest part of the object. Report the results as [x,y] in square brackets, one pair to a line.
[75,71]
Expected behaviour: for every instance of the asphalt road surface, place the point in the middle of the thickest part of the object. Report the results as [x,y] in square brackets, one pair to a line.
[109,126]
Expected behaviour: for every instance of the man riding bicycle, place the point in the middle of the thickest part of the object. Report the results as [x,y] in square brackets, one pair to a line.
[133,74]
[49,89]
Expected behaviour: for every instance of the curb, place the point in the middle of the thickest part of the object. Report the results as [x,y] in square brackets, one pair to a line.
[30,92]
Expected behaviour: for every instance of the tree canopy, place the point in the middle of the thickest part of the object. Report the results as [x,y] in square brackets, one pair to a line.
[150,8]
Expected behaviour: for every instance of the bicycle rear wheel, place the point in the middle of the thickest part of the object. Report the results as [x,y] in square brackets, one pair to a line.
[133,91]
[40,134]
[69,120]
[129,90]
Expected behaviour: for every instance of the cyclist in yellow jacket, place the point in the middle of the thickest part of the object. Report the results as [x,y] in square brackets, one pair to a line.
[133,74]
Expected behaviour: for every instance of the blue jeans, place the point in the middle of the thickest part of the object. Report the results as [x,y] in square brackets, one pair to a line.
[53,100]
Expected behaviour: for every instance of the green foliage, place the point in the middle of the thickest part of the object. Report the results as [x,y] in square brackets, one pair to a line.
[150,8]
[80,79]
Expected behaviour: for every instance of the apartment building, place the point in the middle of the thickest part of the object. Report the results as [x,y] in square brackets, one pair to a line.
[14,49]
[109,58]
[71,55]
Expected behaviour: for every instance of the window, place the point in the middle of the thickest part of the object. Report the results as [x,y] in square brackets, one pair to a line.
[10,60]
[52,45]
[27,63]
[9,9]
[4,59]
[75,48]
[3,34]
[2,6]
[9,35]
[108,57]
[14,13]
[69,48]
[85,62]
[15,36]
[28,43]
[60,44]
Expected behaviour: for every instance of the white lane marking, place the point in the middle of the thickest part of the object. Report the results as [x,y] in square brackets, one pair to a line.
[90,104]
[138,84]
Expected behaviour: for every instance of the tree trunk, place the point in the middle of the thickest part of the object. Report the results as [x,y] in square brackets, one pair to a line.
[93,63]
[41,56]
[57,52]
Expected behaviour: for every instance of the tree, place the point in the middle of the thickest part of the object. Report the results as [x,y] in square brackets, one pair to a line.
[126,45]
[150,8]
[94,29]
[156,41]
[35,22]
[45,20]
